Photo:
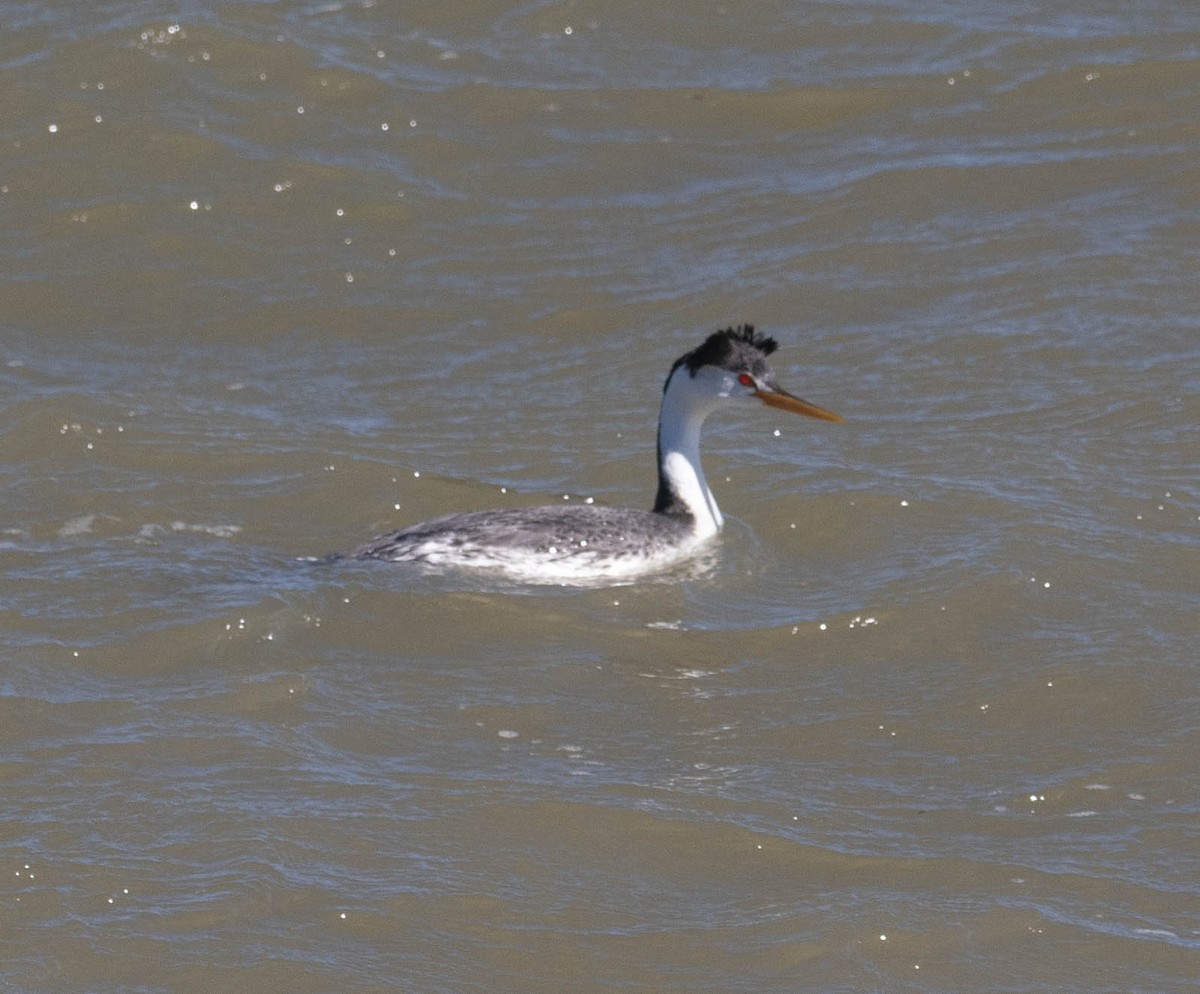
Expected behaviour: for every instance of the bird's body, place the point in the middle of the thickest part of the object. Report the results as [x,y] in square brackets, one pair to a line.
[575,542]
[588,542]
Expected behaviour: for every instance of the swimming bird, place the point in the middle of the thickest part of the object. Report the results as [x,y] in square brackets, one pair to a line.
[590,542]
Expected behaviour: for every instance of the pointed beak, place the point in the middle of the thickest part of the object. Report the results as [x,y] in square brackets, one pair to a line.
[788,402]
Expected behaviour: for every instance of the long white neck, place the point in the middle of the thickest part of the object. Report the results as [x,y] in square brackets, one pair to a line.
[682,489]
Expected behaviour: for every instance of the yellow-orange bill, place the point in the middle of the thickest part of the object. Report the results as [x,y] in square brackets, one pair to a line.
[787,402]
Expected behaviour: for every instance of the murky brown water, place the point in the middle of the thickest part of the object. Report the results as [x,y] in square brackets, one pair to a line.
[274,278]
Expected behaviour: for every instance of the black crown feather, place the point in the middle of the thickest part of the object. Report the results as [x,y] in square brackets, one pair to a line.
[731,344]
[745,333]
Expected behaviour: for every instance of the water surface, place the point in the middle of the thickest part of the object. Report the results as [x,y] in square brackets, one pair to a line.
[276,278]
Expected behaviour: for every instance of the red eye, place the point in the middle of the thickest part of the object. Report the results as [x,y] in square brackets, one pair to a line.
[746,380]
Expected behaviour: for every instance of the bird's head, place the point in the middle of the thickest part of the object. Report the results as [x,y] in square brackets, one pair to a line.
[731,366]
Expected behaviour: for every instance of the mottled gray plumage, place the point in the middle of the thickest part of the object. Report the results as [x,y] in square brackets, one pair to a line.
[551,534]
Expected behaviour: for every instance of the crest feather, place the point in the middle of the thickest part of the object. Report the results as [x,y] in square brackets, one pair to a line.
[745,333]
[741,346]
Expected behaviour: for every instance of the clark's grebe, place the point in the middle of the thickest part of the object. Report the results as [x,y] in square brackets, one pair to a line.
[590,542]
